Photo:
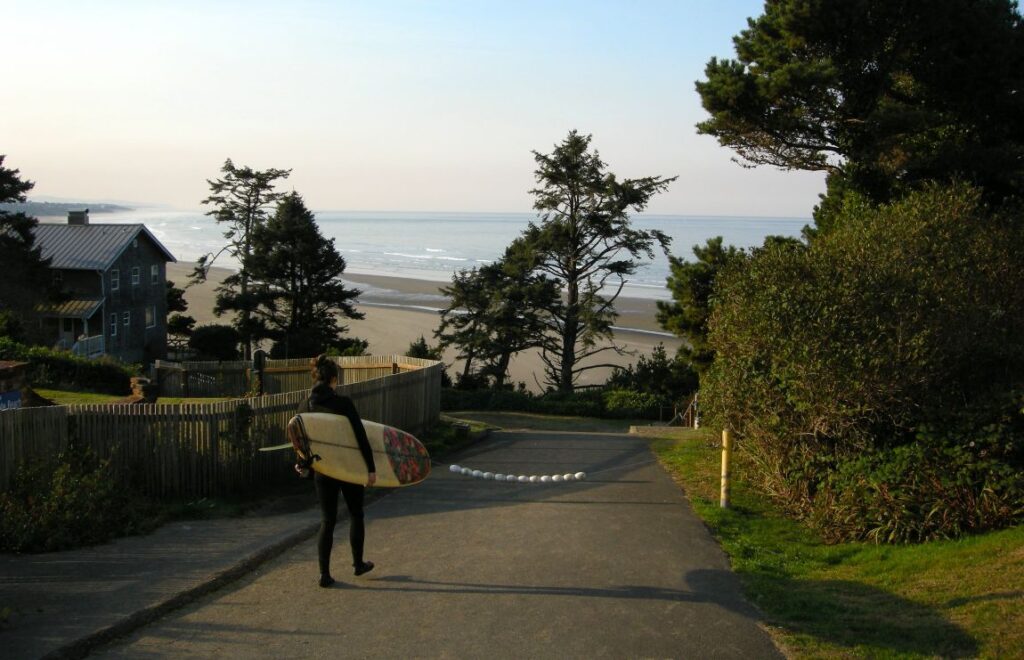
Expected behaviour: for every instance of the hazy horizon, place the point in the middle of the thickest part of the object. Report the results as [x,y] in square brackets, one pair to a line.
[413,107]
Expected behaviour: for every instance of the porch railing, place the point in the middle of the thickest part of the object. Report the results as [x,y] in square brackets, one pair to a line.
[89,346]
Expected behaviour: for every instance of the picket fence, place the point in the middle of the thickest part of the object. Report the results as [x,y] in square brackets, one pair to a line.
[207,449]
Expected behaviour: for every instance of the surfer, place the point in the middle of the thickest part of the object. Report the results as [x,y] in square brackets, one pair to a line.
[324,399]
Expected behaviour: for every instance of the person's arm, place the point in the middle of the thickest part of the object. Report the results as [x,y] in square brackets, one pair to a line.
[348,409]
[303,467]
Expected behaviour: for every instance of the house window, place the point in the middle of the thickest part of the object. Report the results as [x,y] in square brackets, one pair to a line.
[154,274]
[115,279]
[58,277]
[127,319]
[113,325]
[150,316]
[135,276]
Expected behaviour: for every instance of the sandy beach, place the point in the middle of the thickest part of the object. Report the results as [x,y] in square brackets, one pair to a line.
[399,310]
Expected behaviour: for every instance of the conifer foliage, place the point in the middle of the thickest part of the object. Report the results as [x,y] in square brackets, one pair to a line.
[295,282]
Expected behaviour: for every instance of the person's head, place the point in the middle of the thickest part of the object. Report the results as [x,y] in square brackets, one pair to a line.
[324,370]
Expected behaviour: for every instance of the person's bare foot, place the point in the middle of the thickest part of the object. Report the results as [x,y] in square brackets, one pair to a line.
[364,567]
[326,580]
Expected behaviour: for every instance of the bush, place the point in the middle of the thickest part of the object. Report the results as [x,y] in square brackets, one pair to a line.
[215,342]
[628,403]
[72,500]
[667,380]
[57,369]
[857,368]
[941,486]
[586,403]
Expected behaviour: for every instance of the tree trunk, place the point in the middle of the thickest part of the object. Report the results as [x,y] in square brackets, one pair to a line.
[569,334]
[244,287]
[502,369]
[468,367]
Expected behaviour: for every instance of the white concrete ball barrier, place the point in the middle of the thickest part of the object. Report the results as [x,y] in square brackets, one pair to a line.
[522,478]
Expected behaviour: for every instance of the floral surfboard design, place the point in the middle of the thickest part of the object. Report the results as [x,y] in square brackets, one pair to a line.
[408,457]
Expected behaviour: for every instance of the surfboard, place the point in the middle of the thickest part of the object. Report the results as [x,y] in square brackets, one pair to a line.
[400,459]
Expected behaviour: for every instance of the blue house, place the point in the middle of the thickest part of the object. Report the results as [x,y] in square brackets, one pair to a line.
[114,278]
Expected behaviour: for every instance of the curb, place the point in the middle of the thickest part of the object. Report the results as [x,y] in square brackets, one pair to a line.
[82,646]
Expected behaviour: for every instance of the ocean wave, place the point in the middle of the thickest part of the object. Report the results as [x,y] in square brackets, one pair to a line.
[408,256]
[417,308]
[656,333]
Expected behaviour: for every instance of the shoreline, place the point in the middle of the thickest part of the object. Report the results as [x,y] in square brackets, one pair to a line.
[399,310]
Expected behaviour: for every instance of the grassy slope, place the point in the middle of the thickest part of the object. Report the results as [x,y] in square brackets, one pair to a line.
[68,397]
[947,599]
[536,422]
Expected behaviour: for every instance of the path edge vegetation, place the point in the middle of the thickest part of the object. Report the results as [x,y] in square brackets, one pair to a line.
[949,598]
[73,499]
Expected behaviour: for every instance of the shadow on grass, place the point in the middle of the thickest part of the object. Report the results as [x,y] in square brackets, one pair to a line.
[865,619]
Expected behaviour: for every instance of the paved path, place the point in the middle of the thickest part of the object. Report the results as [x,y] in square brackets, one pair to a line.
[64,602]
[617,566]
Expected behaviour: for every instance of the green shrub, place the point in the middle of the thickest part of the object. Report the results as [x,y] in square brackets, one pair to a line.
[628,403]
[215,342]
[59,369]
[585,403]
[856,368]
[72,500]
[668,380]
[937,487]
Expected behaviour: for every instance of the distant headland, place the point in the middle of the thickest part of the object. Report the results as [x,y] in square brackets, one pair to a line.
[39,209]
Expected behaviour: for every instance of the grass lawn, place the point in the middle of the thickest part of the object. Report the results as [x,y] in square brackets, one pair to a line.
[516,420]
[943,599]
[68,397]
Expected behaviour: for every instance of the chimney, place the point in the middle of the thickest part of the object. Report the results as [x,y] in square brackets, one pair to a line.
[78,217]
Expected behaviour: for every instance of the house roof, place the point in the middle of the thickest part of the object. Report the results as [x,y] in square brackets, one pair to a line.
[89,247]
[79,308]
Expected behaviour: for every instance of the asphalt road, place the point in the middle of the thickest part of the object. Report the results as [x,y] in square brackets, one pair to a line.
[616,566]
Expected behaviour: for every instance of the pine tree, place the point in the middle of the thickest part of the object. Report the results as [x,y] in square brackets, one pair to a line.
[27,278]
[295,281]
[586,243]
[240,200]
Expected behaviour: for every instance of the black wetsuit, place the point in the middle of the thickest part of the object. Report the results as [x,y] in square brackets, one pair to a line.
[324,399]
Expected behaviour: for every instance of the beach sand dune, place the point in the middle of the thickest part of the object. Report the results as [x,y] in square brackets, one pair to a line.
[400,310]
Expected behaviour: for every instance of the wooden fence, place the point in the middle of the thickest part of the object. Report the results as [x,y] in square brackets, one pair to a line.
[237,378]
[204,449]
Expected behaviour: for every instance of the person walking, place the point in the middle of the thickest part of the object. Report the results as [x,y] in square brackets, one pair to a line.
[323,398]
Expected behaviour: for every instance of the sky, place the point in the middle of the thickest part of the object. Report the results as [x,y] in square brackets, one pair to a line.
[397,105]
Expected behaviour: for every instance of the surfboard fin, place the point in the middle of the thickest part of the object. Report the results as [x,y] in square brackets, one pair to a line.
[286,445]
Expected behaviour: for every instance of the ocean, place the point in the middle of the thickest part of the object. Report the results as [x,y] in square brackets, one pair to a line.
[432,246]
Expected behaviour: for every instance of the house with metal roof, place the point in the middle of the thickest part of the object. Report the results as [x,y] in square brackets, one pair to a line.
[114,280]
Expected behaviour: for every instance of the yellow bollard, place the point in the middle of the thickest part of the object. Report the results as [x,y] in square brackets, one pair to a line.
[726,451]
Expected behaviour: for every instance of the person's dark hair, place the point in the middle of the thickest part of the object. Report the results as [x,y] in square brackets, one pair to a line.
[323,369]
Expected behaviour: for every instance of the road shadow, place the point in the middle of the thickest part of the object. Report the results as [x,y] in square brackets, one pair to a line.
[605,458]
[712,586]
[847,614]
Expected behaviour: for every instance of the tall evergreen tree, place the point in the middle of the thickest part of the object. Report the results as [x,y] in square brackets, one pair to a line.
[692,285]
[586,242]
[296,287]
[464,321]
[27,278]
[240,200]
[883,95]
[516,316]
[495,312]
